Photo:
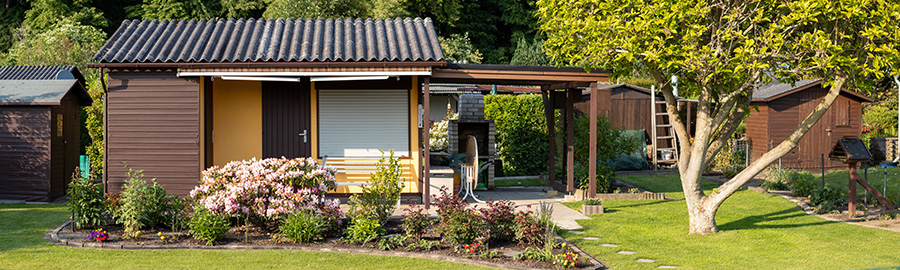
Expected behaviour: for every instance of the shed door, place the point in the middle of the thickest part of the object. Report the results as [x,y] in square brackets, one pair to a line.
[285,120]
[819,139]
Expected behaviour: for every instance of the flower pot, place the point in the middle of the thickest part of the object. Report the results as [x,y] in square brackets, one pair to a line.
[591,209]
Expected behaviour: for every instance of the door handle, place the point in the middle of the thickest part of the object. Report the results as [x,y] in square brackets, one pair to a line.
[304,135]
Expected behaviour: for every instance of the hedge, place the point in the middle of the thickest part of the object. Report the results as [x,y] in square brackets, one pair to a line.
[521,132]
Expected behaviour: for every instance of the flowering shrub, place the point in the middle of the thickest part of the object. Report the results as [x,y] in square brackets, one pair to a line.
[529,230]
[99,235]
[415,221]
[499,220]
[471,249]
[268,189]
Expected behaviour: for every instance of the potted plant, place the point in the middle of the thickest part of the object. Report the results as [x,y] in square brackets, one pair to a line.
[592,206]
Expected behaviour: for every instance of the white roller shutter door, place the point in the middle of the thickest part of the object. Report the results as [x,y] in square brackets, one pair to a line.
[360,123]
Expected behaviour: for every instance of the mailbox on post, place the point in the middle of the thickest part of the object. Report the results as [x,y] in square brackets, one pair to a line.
[852,150]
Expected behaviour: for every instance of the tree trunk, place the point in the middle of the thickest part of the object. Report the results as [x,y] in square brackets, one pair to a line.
[702,219]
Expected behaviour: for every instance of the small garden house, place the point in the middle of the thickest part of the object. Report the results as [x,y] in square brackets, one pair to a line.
[190,94]
[781,107]
[40,112]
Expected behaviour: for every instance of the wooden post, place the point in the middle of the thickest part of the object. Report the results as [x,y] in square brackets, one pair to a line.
[570,140]
[592,168]
[852,193]
[426,135]
[551,138]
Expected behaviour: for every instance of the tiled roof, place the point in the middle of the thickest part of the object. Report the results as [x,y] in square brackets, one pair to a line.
[39,73]
[272,40]
[776,88]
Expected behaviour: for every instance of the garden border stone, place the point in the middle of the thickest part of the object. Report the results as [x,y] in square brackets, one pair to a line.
[53,237]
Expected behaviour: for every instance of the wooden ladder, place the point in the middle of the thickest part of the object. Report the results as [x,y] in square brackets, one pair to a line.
[660,119]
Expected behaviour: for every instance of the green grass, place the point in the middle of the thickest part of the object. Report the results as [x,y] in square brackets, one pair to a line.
[529,182]
[757,231]
[22,246]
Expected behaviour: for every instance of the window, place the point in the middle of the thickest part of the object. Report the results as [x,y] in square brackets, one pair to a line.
[362,122]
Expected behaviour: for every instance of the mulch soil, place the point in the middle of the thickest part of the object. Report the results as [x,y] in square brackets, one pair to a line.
[255,237]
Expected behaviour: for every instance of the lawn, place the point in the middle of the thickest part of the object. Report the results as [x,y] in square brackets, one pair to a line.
[758,231]
[22,246]
[528,182]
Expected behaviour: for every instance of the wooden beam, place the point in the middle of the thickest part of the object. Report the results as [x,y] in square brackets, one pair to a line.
[551,136]
[592,167]
[570,140]
[518,75]
[426,141]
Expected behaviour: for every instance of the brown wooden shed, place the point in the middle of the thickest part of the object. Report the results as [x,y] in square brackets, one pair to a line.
[781,107]
[40,120]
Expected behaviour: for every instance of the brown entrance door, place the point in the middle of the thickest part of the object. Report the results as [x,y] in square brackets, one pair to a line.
[820,138]
[286,120]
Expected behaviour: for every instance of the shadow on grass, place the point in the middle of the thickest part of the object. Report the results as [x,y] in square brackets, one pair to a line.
[753,222]
[642,204]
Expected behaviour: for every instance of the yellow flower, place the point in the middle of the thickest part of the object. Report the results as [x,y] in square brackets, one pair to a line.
[159,234]
[162,238]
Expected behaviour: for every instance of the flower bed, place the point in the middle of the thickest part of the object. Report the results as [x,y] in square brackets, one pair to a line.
[280,203]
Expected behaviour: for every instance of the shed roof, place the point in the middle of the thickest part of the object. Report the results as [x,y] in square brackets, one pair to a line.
[776,90]
[39,92]
[40,73]
[272,40]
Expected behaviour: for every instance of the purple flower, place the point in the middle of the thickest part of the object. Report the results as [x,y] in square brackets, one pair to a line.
[442,235]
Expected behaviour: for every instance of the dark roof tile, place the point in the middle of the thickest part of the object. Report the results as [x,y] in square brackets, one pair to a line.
[272,40]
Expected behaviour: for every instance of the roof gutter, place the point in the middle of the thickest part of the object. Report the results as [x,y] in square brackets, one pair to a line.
[270,64]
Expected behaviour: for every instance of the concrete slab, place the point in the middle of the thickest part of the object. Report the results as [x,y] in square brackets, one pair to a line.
[645,260]
[608,245]
[625,252]
[589,238]
[667,267]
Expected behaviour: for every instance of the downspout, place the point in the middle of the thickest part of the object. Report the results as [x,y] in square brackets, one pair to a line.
[897,81]
[105,124]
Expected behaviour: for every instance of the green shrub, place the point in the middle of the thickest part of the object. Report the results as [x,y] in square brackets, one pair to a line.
[302,227]
[392,242]
[804,184]
[774,185]
[143,204]
[462,227]
[86,202]
[364,229]
[521,132]
[207,226]
[729,160]
[380,195]
[827,199]
[592,202]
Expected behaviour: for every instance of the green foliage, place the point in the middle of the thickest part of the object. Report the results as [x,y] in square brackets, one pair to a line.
[316,9]
[92,127]
[392,242]
[880,119]
[143,204]
[530,53]
[174,9]
[364,229]
[459,48]
[302,227]
[46,14]
[380,195]
[10,19]
[592,202]
[827,199]
[532,253]
[415,221]
[804,185]
[207,226]
[611,141]
[495,26]
[442,12]
[499,220]
[86,202]
[461,227]
[774,185]
[729,159]
[521,132]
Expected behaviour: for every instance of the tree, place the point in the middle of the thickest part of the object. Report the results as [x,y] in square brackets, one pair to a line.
[44,14]
[530,53]
[722,50]
[317,9]
[459,48]
[174,9]
[10,19]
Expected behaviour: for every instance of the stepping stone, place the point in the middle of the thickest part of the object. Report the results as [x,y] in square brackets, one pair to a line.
[645,260]
[576,232]
[625,252]
[591,238]
[512,253]
[608,245]
[667,267]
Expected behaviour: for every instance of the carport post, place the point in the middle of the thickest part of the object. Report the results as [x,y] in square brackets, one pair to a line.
[592,168]
[551,134]
[570,139]
[426,135]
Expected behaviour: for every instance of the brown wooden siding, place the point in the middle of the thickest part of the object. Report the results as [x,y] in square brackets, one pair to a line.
[65,149]
[843,119]
[25,153]
[154,126]
[285,108]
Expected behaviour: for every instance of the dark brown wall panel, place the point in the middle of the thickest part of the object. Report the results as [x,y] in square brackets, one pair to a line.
[154,126]
[25,153]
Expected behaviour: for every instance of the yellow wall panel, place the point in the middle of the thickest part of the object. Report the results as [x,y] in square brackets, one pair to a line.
[237,120]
